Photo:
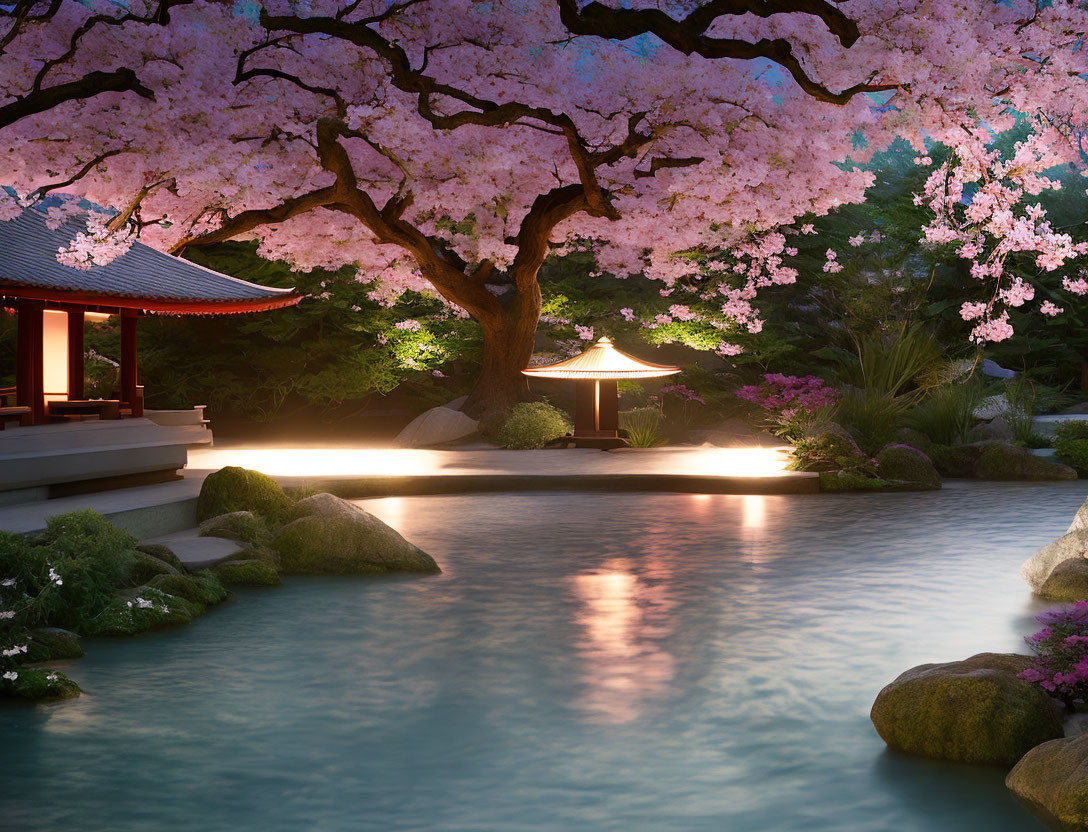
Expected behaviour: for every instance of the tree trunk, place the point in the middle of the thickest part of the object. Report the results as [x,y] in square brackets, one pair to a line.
[508,346]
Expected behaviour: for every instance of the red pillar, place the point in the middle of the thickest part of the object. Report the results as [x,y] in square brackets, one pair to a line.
[128,356]
[29,361]
[608,407]
[75,354]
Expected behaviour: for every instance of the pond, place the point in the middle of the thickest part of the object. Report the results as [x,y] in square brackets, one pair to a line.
[586,661]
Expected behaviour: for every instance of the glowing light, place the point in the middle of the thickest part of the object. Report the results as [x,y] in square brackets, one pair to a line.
[393,462]
[55,355]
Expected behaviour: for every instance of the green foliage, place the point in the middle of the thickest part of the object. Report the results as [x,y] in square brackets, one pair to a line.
[200,589]
[533,425]
[247,573]
[830,451]
[1072,429]
[893,366]
[873,420]
[39,685]
[835,481]
[147,608]
[1073,452]
[238,489]
[642,427]
[947,413]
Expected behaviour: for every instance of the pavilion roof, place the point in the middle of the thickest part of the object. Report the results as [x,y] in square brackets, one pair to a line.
[141,278]
[601,361]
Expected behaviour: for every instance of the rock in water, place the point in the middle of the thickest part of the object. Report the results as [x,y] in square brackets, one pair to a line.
[1038,567]
[902,462]
[999,461]
[1067,582]
[973,711]
[233,489]
[1080,519]
[1052,781]
[339,538]
[436,426]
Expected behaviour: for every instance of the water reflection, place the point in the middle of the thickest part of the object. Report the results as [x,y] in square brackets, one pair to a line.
[622,618]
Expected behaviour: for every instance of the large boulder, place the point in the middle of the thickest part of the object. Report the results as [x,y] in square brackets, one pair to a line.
[1080,519]
[437,426]
[907,464]
[51,643]
[148,566]
[339,538]
[247,573]
[1052,781]
[973,711]
[1001,461]
[238,489]
[1036,569]
[998,428]
[244,526]
[1067,582]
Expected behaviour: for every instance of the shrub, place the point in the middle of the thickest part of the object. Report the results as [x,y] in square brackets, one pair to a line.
[532,425]
[1061,648]
[947,414]
[642,427]
[1071,429]
[902,462]
[239,489]
[1072,452]
[830,451]
[789,402]
[874,420]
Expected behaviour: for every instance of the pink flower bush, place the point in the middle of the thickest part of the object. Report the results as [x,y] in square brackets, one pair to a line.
[787,396]
[1061,648]
[684,392]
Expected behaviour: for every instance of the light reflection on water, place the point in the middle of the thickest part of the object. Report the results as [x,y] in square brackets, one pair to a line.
[588,662]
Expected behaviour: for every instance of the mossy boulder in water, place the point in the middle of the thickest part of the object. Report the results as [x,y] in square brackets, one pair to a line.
[1036,569]
[202,588]
[339,538]
[239,489]
[907,464]
[141,609]
[243,526]
[1001,461]
[973,711]
[1068,581]
[50,643]
[247,573]
[39,684]
[1051,780]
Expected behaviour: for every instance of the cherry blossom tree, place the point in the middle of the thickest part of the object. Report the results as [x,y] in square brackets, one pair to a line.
[450,146]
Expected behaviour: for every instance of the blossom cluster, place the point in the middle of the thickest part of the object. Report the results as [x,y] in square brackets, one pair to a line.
[1061,648]
[786,395]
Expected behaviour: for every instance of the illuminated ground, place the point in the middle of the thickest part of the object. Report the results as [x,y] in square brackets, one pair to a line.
[369,471]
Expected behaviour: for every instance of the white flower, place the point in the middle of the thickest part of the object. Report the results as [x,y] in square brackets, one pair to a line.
[54,577]
[52,677]
[6,614]
[11,675]
[7,582]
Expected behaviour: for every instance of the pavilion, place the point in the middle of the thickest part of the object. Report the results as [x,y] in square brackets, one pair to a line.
[52,302]
[596,373]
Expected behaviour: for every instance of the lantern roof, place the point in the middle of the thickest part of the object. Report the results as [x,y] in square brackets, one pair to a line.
[141,278]
[602,361]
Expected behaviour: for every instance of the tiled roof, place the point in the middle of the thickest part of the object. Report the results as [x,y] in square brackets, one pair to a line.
[28,258]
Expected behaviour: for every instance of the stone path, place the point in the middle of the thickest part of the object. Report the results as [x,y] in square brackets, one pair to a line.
[197,552]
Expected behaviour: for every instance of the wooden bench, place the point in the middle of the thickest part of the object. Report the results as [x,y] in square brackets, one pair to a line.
[16,413]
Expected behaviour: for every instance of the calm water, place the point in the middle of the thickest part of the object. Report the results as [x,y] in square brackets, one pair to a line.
[586,662]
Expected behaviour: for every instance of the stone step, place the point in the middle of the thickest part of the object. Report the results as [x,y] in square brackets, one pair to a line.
[197,552]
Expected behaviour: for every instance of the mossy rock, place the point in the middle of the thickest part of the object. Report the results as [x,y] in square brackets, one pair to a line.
[974,711]
[956,461]
[265,554]
[146,567]
[126,616]
[239,489]
[38,684]
[832,482]
[345,540]
[901,462]
[1067,582]
[1000,461]
[163,553]
[1051,780]
[243,526]
[202,588]
[51,643]
[247,573]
